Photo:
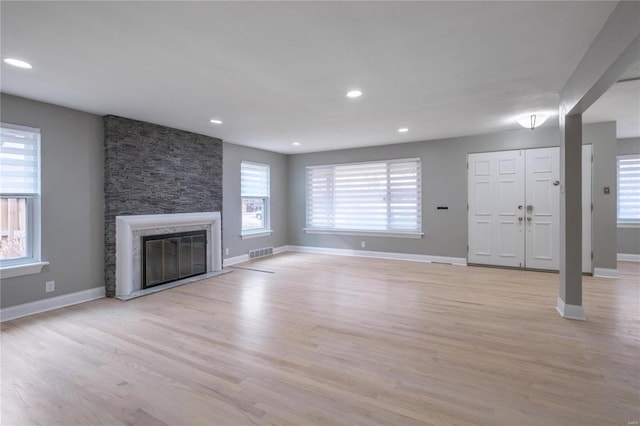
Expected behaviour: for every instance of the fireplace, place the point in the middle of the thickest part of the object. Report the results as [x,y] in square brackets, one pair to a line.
[172,257]
[130,249]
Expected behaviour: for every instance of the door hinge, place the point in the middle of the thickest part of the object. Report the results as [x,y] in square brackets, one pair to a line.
[591,206]
[467,249]
[467,166]
[591,255]
[592,158]
[467,207]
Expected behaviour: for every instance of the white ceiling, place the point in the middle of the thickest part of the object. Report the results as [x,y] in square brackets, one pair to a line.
[621,103]
[277,72]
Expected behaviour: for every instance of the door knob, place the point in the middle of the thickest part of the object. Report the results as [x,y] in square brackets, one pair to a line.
[528,218]
[529,208]
[520,219]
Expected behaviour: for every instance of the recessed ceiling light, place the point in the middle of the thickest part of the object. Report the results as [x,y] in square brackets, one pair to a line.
[295,143]
[18,63]
[403,130]
[354,93]
[215,121]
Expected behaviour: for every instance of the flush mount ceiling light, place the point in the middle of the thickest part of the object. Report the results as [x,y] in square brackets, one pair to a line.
[215,121]
[18,63]
[354,93]
[531,121]
[403,130]
[295,143]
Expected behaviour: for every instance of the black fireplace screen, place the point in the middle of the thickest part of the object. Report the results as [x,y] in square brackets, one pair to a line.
[171,257]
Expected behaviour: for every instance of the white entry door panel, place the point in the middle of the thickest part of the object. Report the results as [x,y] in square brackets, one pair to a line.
[496,228]
[514,208]
[542,196]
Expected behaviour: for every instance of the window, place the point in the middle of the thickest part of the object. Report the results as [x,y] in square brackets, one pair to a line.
[255,190]
[376,197]
[629,189]
[19,195]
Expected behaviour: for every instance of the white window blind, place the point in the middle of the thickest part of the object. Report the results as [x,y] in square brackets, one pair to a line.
[375,196]
[254,179]
[19,162]
[629,188]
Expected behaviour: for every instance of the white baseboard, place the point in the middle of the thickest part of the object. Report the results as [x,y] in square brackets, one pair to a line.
[628,257]
[605,273]
[460,261]
[245,257]
[233,260]
[381,255]
[51,303]
[574,312]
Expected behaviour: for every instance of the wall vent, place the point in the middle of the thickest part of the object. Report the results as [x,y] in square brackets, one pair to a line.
[267,251]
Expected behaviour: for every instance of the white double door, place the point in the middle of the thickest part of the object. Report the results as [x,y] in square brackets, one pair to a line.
[514,208]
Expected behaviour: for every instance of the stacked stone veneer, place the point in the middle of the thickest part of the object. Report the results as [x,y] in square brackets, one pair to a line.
[152,169]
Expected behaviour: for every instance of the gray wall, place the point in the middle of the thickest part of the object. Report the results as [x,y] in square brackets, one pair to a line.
[629,238]
[153,169]
[231,210]
[72,200]
[444,183]
[73,207]
[604,218]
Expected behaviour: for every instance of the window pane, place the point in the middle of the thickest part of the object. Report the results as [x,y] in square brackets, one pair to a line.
[254,179]
[253,213]
[629,188]
[13,228]
[380,196]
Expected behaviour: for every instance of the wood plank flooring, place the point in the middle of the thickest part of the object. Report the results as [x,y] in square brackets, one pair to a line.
[333,340]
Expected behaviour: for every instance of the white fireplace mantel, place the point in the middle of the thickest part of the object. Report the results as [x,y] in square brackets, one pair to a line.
[127,225]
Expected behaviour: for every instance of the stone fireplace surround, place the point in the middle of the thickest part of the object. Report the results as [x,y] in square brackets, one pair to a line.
[130,229]
[155,170]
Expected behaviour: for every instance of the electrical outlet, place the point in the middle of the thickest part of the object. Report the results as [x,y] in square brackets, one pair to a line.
[226,252]
[49,286]
[362,244]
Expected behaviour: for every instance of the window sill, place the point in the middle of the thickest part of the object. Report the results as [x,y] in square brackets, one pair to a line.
[256,234]
[386,234]
[628,224]
[20,270]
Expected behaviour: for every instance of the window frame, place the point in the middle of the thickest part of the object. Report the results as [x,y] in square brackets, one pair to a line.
[31,263]
[624,222]
[389,232]
[264,199]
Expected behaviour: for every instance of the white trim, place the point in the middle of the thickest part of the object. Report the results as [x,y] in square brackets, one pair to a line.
[257,234]
[20,270]
[51,303]
[628,257]
[628,224]
[358,163]
[460,261]
[574,312]
[245,257]
[236,259]
[125,225]
[605,273]
[389,234]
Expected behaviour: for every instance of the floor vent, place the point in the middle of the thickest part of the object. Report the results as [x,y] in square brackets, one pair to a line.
[267,251]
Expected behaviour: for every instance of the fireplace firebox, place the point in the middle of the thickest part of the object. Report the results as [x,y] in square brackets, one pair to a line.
[172,257]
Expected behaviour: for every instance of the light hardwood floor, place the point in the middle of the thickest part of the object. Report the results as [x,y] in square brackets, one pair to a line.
[333,340]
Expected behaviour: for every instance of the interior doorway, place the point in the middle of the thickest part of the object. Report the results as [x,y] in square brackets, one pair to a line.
[513,203]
